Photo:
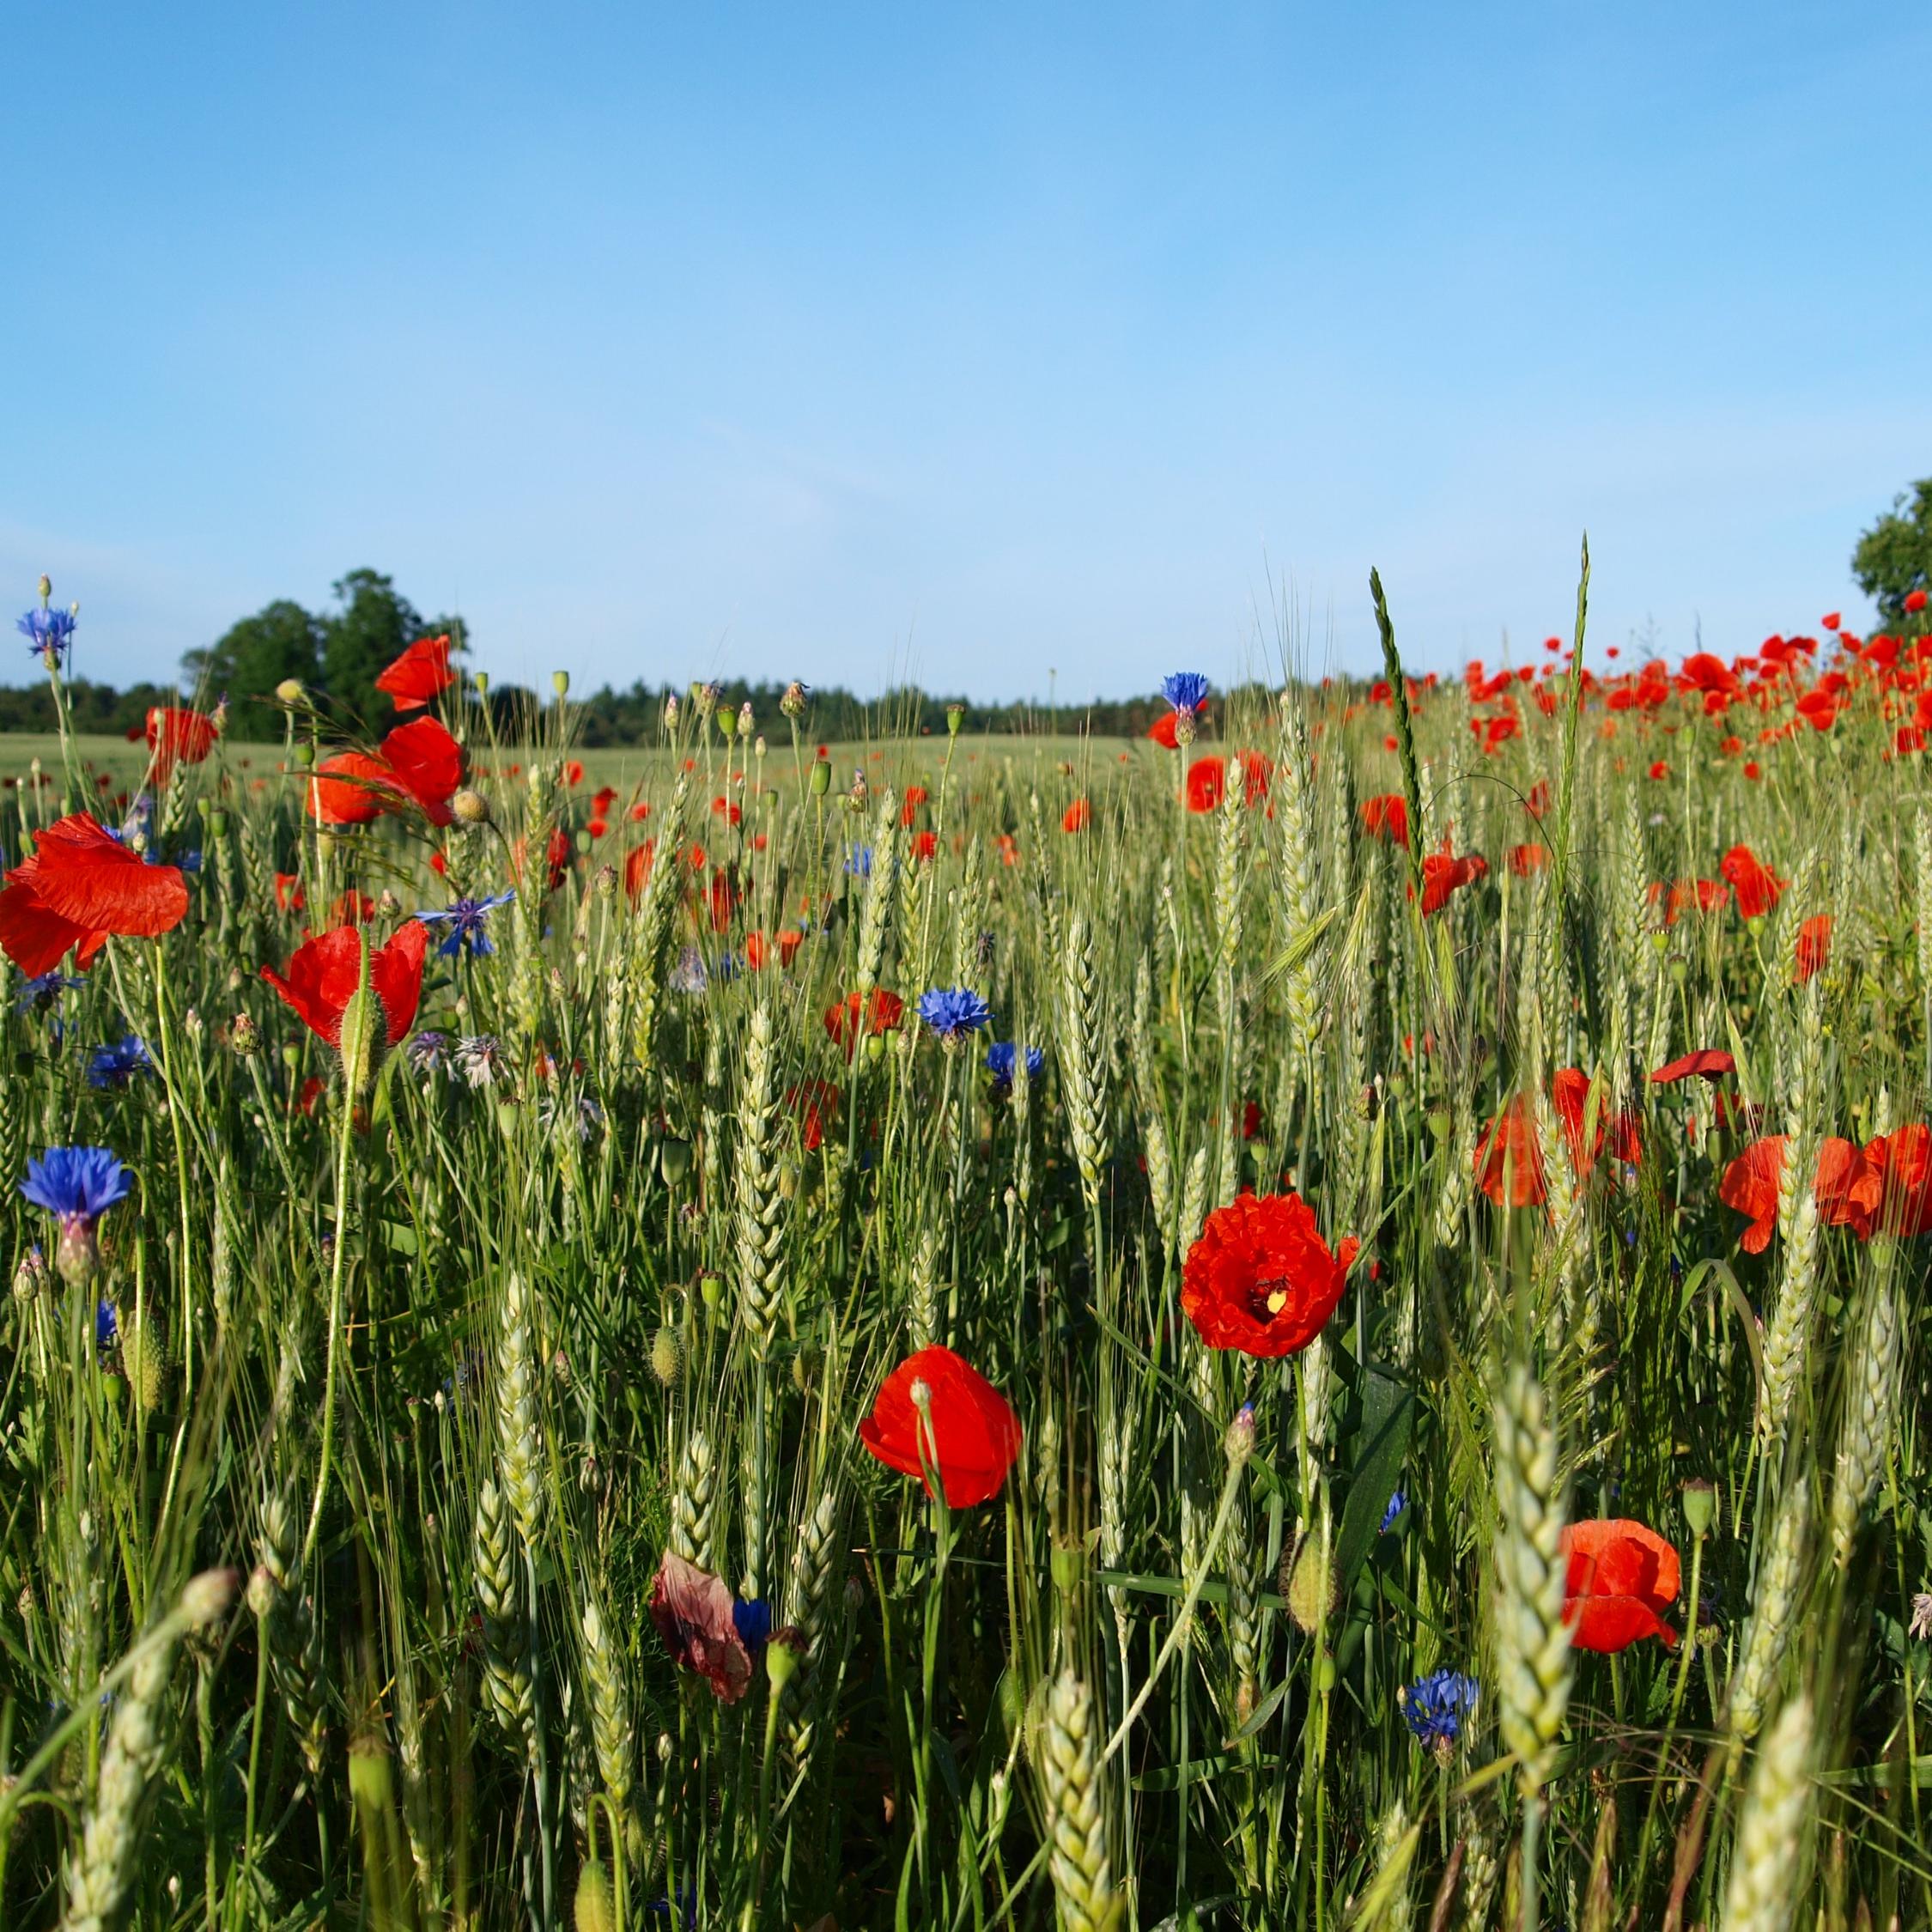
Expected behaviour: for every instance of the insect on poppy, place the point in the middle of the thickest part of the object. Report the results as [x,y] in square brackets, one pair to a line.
[938,1412]
[1261,1279]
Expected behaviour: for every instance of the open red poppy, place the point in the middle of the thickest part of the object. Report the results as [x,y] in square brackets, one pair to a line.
[1757,886]
[419,673]
[1509,1160]
[417,763]
[1897,1181]
[1387,818]
[1077,816]
[81,887]
[1570,1089]
[1847,1192]
[1814,948]
[1261,1279]
[1442,874]
[1711,1063]
[322,976]
[1207,783]
[1622,1577]
[177,737]
[882,1010]
[970,1432]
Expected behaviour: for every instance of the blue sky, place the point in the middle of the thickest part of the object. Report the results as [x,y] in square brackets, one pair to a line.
[856,341]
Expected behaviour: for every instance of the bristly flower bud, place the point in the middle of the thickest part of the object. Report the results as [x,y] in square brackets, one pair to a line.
[671,712]
[288,693]
[31,1276]
[793,703]
[469,807]
[364,1032]
[746,723]
[1238,1444]
[47,587]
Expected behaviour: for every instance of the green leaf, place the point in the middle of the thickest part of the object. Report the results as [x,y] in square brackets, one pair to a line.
[1387,1417]
[400,1237]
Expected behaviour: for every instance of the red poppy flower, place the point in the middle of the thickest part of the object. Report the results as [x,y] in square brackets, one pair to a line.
[1829,621]
[1660,770]
[1527,858]
[1257,774]
[1814,946]
[969,1431]
[789,941]
[1570,1090]
[637,867]
[1711,1063]
[1897,1178]
[1845,1188]
[1261,1279]
[82,886]
[288,895]
[1387,818]
[881,1011]
[1915,602]
[642,810]
[1756,885]
[597,828]
[1076,817]
[1509,1160]
[1622,1577]
[693,1611]
[817,1104]
[910,800]
[573,773]
[418,762]
[723,808]
[321,980]
[1442,874]
[177,737]
[924,846]
[1008,849]
[419,674]
[1207,783]
[602,799]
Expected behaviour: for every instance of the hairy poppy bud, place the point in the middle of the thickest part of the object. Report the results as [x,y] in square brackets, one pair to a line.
[1309,1585]
[289,692]
[595,1908]
[364,1030]
[469,807]
[666,1356]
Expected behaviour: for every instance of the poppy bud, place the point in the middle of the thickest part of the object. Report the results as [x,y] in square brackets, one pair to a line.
[560,682]
[666,1357]
[595,1910]
[469,807]
[145,1355]
[364,1031]
[288,692]
[1310,1589]
[1700,1506]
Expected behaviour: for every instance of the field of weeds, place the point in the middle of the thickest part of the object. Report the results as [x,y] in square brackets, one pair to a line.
[1311,1323]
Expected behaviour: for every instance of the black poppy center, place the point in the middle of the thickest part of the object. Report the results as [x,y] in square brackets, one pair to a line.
[1268,1297]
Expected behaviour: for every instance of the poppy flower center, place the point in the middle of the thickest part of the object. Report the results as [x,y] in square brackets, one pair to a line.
[1267,1297]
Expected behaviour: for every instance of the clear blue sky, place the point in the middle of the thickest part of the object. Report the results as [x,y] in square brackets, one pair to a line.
[843,341]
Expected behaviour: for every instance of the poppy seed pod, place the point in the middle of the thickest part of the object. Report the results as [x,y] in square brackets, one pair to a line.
[560,682]
[821,779]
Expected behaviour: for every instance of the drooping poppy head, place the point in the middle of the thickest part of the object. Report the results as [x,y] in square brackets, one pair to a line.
[1261,1279]
[695,1615]
[321,980]
[1622,1577]
[177,737]
[81,887]
[935,1411]
[419,674]
[1207,783]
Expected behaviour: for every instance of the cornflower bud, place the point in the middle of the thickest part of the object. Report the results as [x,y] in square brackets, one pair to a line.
[793,703]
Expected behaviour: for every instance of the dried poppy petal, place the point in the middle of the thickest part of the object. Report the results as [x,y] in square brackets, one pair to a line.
[1261,1279]
[974,1436]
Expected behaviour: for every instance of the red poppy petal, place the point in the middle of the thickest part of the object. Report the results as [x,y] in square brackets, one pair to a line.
[350,788]
[396,973]
[32,934]
[1609,1623]
[429,763]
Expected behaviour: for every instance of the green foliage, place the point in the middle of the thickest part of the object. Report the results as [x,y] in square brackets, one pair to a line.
[1894,558]
[254,656]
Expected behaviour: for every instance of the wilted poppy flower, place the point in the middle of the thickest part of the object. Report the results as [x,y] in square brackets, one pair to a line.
[882,1012]
[1387,818]
[322,976]
[421,672]
[1757,886]
[1207,783]
[1077,816]
[698,1618]
[177,737]
[1622,1577]
[968,1430]
[1261,1279]
[1843,1187]
[1711,1063]
[81,887]
[1814,946]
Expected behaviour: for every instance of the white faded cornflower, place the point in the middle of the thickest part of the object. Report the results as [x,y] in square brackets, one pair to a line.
[588,1114]
[1922,1615]
[426,1051]
[479,1059]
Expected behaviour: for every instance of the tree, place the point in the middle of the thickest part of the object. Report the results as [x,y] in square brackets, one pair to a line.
[251,658]
[1894,557]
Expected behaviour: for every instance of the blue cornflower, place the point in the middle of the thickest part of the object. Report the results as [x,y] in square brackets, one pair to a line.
[106,1326]
[753,1621]
[1397,1503]
[1185,690]
[48,633]
[1436,1706]
[858,862]
[466,918]
[1002,1057]
[40,992]
[952,1012]
[115,1066]
[78,1185]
